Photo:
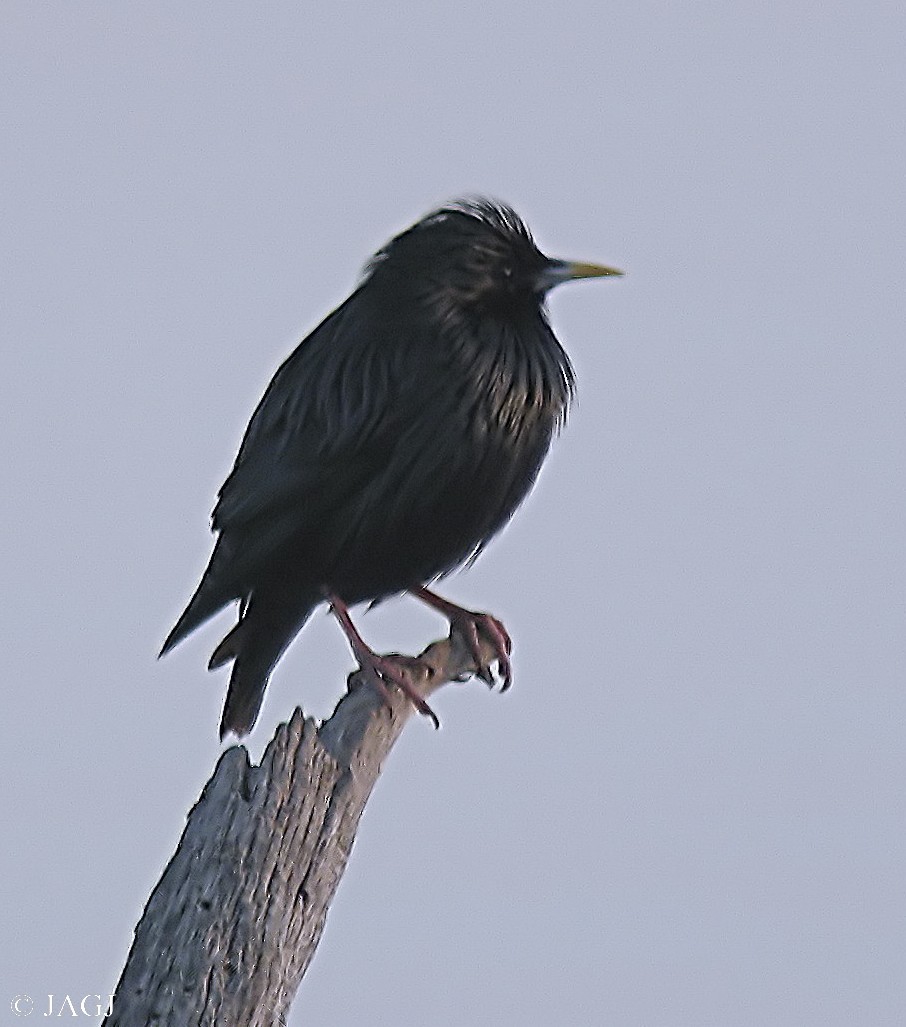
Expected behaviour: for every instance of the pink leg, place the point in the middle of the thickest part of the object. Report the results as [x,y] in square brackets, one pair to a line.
[471,625]
[379,669]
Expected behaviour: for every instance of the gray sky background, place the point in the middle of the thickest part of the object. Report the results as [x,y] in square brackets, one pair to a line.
[690,808]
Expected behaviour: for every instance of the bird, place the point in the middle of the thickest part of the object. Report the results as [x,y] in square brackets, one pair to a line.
[391,445]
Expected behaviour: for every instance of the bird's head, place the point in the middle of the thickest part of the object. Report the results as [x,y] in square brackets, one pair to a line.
[479,257]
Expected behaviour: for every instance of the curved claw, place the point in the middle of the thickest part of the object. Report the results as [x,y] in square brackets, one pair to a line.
[473,624]
[486,675]
[470,626]
[396,669]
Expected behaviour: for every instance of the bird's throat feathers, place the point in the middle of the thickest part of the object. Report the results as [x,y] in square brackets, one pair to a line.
[515,372]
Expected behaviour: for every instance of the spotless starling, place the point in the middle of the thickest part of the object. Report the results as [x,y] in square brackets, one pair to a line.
[391,445]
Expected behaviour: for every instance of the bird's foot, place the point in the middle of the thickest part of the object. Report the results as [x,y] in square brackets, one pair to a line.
[471,626]
[394,669]
[383,669]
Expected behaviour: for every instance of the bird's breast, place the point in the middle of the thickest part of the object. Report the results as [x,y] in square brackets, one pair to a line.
[518,379]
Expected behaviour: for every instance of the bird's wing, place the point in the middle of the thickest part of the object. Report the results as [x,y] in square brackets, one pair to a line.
[328,421]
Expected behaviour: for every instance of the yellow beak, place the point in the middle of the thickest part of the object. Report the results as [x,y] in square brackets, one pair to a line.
[557,271]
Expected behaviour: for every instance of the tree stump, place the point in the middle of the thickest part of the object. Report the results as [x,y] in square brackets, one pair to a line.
[233,923]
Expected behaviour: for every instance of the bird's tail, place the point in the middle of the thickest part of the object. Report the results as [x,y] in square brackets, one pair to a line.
[255,645]
[213,593]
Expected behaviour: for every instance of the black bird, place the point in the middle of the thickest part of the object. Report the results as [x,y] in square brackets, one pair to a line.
[391,445]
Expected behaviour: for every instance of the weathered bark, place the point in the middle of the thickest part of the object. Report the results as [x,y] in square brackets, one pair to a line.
[232,925]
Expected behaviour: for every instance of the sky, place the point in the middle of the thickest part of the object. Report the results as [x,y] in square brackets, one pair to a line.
[689,809]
